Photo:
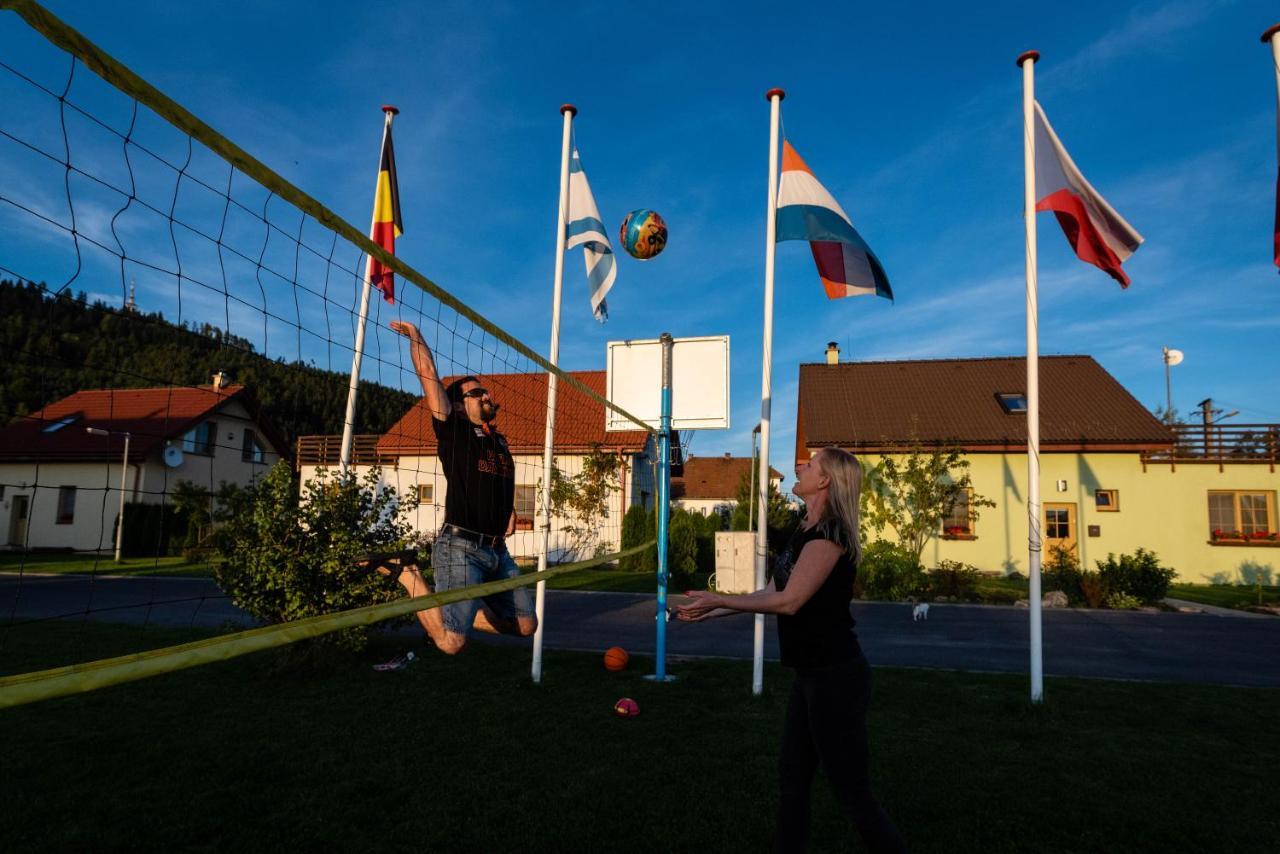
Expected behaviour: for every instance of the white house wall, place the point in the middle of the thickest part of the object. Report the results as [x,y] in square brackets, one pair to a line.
[409,472]
[98,486]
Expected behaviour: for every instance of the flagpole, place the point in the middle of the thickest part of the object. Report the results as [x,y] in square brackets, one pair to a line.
[774,97]
[1272,35]
[1028,61]
[562,216]
[349,420]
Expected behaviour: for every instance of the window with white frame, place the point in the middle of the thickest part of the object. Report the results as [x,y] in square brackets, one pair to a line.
[426,493]
[200,439]
[959,522]
[251,449]
[66,505]
[526,503]
[1241,514]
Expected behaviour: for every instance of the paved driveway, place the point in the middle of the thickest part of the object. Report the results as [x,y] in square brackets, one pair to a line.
[1202,648]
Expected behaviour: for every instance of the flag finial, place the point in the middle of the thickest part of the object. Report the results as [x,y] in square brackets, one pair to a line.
[768,96]
[387,108]
[1033,55]
[568,108]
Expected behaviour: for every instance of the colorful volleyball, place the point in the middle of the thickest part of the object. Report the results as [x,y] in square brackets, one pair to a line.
[643,234]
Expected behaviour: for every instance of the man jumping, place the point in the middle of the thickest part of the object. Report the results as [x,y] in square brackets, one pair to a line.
[479,511]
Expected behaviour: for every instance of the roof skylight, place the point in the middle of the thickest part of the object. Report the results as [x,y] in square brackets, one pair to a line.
[60,423]
[1012,402]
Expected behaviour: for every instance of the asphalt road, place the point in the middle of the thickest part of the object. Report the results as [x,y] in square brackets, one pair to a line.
[1171,647]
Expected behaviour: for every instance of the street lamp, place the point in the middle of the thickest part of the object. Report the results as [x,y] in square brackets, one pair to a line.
[124,474]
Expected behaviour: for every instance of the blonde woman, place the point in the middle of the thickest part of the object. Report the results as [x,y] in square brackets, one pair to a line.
[810,592]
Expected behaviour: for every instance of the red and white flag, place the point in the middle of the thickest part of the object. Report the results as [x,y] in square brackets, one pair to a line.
[1098,234]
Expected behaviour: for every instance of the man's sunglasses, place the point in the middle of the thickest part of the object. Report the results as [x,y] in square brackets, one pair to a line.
[477,393]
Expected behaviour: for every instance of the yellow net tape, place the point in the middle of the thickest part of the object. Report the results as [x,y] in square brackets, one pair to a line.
[119,76]
[79,678]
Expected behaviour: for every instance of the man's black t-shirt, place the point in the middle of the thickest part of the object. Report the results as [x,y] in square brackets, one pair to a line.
[480,474]
[821,632]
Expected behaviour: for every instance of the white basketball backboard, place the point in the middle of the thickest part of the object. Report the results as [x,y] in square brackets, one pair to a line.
[699,383]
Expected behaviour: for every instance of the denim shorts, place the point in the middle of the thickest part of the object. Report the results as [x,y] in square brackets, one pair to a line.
[456,563]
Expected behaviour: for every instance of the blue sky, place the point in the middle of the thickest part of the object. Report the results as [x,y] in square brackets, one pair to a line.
[909,114]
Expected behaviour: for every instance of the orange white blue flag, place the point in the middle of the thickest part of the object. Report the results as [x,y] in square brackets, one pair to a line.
[806,211]
[387,225]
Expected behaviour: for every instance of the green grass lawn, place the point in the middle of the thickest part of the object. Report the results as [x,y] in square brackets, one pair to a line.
[1225,596]
[71,562]
[465,754]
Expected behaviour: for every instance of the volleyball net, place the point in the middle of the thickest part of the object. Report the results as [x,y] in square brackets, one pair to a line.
[177,329]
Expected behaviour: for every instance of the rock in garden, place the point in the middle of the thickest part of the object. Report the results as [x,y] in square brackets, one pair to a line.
[1022,603]
[1054,599]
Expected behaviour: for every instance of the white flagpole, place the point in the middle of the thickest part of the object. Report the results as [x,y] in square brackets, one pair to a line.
[349,420]
[1028,62]
[1272,35]
[568,111]
[774,96]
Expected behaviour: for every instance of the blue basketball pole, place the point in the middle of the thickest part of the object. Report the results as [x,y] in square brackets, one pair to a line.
[663,508]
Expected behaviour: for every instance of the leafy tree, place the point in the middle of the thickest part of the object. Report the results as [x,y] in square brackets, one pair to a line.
[285,556]
[782,518]
[583,499]
[1168,415]
[912,496]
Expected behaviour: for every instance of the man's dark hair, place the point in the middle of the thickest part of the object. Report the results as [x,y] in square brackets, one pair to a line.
[454,389]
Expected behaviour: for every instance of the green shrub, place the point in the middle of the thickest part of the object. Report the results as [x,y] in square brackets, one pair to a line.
[637,527]
[150,530]
[682,547]
[888,571]
[953,579]
[1118,601]
[1139,575]
[286,556]
[1062,572]
[999,595]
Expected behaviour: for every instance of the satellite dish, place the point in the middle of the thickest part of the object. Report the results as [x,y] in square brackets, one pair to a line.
[1172,357]
[173,456]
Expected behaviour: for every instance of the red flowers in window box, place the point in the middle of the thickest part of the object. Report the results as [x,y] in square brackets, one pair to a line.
[1262,535]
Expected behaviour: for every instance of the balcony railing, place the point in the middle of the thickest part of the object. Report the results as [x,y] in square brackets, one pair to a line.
[1220,444]
[327,450]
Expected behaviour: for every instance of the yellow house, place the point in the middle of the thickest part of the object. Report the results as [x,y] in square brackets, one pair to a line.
[1113,478]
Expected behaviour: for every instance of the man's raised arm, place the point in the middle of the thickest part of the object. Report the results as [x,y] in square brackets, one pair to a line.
[432,388]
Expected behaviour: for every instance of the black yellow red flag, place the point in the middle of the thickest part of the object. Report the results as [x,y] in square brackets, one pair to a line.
[387,225]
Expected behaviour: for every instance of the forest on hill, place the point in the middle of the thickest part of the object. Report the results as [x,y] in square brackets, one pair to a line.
[52,345]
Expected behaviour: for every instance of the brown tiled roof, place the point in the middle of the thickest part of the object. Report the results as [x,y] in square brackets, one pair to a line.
[522,418]
[713,478]
[149,415]
[874,404]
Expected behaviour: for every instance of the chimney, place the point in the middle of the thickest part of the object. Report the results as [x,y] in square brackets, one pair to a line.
[220,380]
[833,353]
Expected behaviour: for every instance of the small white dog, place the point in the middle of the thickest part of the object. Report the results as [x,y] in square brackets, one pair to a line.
[920,611]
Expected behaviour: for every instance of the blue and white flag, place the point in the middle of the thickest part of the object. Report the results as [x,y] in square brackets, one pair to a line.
[584,228]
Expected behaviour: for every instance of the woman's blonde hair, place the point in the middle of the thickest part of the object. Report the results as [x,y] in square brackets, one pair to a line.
[840,516]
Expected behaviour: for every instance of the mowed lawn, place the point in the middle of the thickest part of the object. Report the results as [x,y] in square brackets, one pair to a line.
[465,754]
[72,562]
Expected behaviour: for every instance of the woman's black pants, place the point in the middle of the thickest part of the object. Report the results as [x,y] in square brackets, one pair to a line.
[827,723]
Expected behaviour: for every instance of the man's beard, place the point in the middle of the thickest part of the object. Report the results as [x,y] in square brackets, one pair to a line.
[488,411]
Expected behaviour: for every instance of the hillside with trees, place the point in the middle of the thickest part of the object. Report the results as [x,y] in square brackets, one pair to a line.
[54,345]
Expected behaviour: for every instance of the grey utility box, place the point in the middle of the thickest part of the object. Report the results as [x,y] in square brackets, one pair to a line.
[735,562]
